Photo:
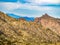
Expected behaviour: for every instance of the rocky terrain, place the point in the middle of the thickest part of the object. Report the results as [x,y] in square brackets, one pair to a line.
[44,30]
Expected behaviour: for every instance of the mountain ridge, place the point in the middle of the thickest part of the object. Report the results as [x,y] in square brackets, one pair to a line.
[25,17]
[22,32]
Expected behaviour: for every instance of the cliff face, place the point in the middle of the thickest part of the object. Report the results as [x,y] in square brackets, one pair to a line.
[20,32]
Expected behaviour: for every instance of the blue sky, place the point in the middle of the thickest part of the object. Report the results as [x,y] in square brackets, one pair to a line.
[31,8]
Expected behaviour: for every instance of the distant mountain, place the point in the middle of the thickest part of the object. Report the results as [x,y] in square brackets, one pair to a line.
[13,15]
[17,17]
[44,30]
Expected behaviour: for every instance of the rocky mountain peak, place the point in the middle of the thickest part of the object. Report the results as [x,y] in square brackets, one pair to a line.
[45,16]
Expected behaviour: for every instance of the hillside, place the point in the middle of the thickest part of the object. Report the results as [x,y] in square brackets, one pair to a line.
[43,30]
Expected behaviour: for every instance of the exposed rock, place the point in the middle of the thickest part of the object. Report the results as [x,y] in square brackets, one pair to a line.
[22,19]
[50,22]
[22,32]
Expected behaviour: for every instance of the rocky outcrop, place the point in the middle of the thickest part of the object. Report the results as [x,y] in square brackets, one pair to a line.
[21,32]
[50,22]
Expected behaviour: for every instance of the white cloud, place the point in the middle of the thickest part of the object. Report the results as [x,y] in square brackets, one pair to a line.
[44,1]
[13,6]
[31,6]
[10,7]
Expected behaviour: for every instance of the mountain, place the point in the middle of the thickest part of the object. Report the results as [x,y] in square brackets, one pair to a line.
[16,16]
[49,22]
[43,30]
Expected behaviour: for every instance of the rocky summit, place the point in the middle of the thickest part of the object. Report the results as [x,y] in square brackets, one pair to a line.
[44,30]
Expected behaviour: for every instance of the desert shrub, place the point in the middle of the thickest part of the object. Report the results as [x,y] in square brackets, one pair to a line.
[5,41]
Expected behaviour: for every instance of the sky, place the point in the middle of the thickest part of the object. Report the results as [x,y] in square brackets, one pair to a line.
[31,8]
